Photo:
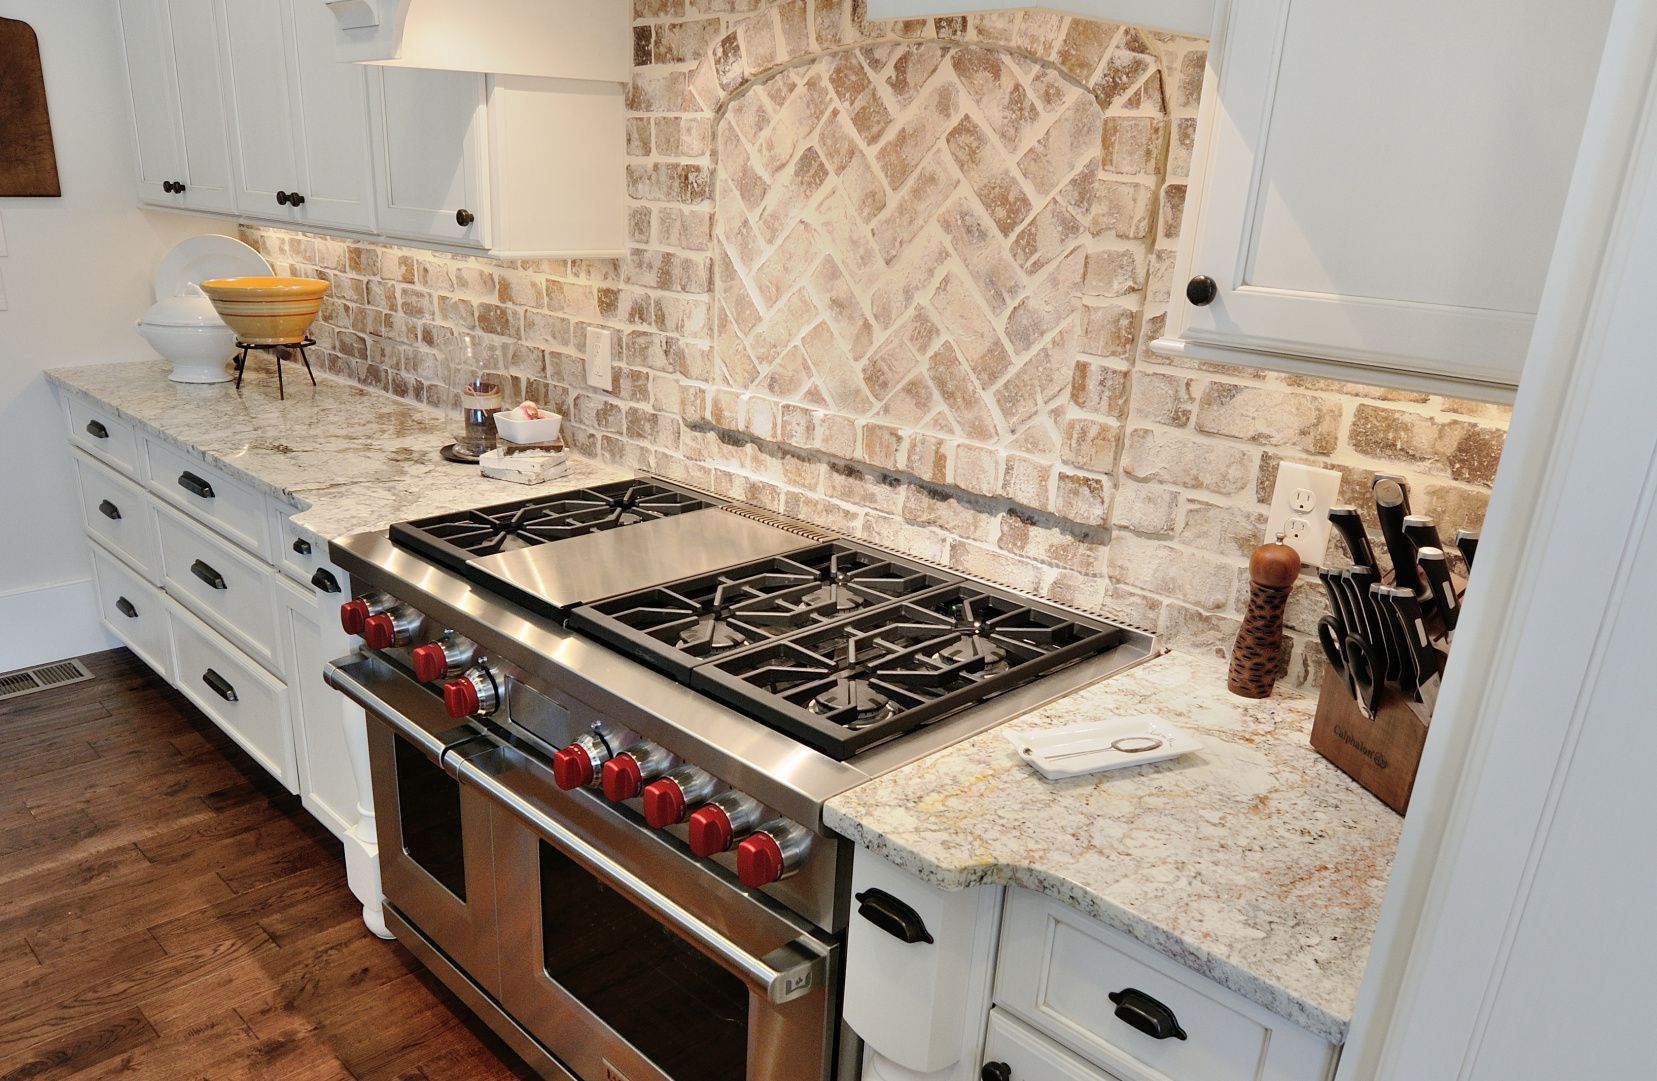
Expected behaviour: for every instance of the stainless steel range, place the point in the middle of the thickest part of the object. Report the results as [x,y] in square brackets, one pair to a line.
[603,727]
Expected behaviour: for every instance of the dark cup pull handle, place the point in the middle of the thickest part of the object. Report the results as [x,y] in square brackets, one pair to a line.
[325,581]
[1146,1014]
[109,510]
[892,916]
[125,607]
[195,485]
[220,685]
[96,429]
[207,574]
[302,546]
[996,1071]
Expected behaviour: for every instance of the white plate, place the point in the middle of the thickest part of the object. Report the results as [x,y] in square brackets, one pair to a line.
[193,261]
[1078,749]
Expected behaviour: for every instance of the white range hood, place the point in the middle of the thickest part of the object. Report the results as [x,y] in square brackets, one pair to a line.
[589,40]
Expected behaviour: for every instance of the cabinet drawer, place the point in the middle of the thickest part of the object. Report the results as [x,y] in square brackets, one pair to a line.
[1058,969]
[221,584]
[134,610]
[117,512]
[236,694]
[210,495]
[305,559]
[1030,1056]
[99,432]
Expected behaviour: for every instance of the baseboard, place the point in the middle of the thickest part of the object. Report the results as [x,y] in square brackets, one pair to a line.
[50,623]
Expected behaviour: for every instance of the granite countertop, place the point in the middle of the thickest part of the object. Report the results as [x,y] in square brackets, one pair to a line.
[348,458]
[1252,861]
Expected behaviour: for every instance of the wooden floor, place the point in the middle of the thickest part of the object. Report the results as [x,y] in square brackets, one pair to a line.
[169,911]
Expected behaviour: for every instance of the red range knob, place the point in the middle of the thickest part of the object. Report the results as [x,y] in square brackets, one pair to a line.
[759,861]
[379,631]
[623,778]
[710,831]
[572,768]
[460,698]
[664,804]
[430,662]
[353,615]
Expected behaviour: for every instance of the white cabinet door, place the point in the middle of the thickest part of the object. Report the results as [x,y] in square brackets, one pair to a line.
[430,139]
[331,99]
[1379,194]
[173,74]
[258,51]
[1019,1054]
[326,783]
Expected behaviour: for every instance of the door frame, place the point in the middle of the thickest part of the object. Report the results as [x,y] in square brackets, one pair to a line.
[1483,802]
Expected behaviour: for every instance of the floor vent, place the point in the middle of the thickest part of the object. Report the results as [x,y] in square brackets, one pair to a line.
[42,678]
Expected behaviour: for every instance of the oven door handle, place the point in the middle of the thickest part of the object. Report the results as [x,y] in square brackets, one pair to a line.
[787,973]
[394,699]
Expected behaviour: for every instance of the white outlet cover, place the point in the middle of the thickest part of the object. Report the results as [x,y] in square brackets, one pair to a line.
[601,348]
[1300,509]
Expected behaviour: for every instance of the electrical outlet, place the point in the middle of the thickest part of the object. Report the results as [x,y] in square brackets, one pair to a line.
[601,349]
[1300,509]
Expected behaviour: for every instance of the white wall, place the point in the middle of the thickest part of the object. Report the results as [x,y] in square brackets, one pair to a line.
[76,274]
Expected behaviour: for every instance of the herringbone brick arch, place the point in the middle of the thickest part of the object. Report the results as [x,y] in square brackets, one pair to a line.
[901,232]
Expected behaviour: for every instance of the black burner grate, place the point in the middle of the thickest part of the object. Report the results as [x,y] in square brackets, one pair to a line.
[849,684]
[452,539]
[679,625]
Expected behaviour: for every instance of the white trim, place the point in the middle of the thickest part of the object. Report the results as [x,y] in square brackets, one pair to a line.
[51,622]
[1481,800]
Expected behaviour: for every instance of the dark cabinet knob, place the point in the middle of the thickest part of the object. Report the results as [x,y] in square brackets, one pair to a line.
[1146,1014]
[290,198]
[109,510]
[167,186]
[996,1071]
[195,485]
[96,430]
[281,198]
[463,218]
[1201,290]
[173,187]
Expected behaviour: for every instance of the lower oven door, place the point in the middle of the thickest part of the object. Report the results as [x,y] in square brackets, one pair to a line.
[436,864]
[631,960]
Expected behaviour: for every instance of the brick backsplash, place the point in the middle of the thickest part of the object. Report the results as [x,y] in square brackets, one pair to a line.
[898,279]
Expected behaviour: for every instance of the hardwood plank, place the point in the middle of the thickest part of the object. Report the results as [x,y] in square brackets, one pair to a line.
[83,1048]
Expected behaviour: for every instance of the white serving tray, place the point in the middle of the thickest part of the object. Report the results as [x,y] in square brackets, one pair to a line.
[1079,749]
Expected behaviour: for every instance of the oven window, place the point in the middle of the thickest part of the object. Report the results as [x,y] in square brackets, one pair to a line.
[428,803]
[682,1011]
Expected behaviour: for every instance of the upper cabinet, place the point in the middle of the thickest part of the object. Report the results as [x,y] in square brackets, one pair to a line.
[301,133]
[242,106]
[178,106]
[1179,16]
[1377,187]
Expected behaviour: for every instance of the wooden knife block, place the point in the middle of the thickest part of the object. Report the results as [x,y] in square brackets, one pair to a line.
[1382,752]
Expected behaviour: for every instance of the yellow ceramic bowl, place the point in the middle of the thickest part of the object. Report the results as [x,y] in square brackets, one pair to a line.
[267,311]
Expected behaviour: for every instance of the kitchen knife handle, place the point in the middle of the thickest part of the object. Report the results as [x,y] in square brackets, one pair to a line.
[1358,581]
[1420,643]
[1409,676]
[1392,502]
[1436,566]
[1422,531]
[1350,525]
[1467,543]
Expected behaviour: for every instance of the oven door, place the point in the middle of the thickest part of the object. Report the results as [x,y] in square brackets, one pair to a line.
[436,864]
[631,960]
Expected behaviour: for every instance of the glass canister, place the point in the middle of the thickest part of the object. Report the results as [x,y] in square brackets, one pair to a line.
[477,389]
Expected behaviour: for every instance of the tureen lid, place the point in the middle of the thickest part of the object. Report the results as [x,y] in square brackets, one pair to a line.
[190,308]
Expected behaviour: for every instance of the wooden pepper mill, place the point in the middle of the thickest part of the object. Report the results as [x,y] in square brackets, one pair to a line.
[1258,654]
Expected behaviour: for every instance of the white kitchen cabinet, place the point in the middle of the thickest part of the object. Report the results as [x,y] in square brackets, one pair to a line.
[328,787]
[1179,16]
[1376,198]
[172,58]
[300,117]
[518,167]
[1018,1053]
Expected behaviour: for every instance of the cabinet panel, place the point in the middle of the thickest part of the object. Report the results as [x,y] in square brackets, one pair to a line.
[257,47]
[116,511]
[134,611]
[327,785]
[221,585]
[430,139]
[247,703]
[331,98]
[1338,225]
[201,101]
[209,496]
[152,83]
[1030,1057]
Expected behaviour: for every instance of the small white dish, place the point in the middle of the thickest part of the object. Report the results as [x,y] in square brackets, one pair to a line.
[1095,746]
[514,427]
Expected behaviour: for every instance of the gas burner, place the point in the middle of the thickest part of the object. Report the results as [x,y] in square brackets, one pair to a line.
[860,679]
[453,539]
[854,703]
[711,634]
[677,626]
